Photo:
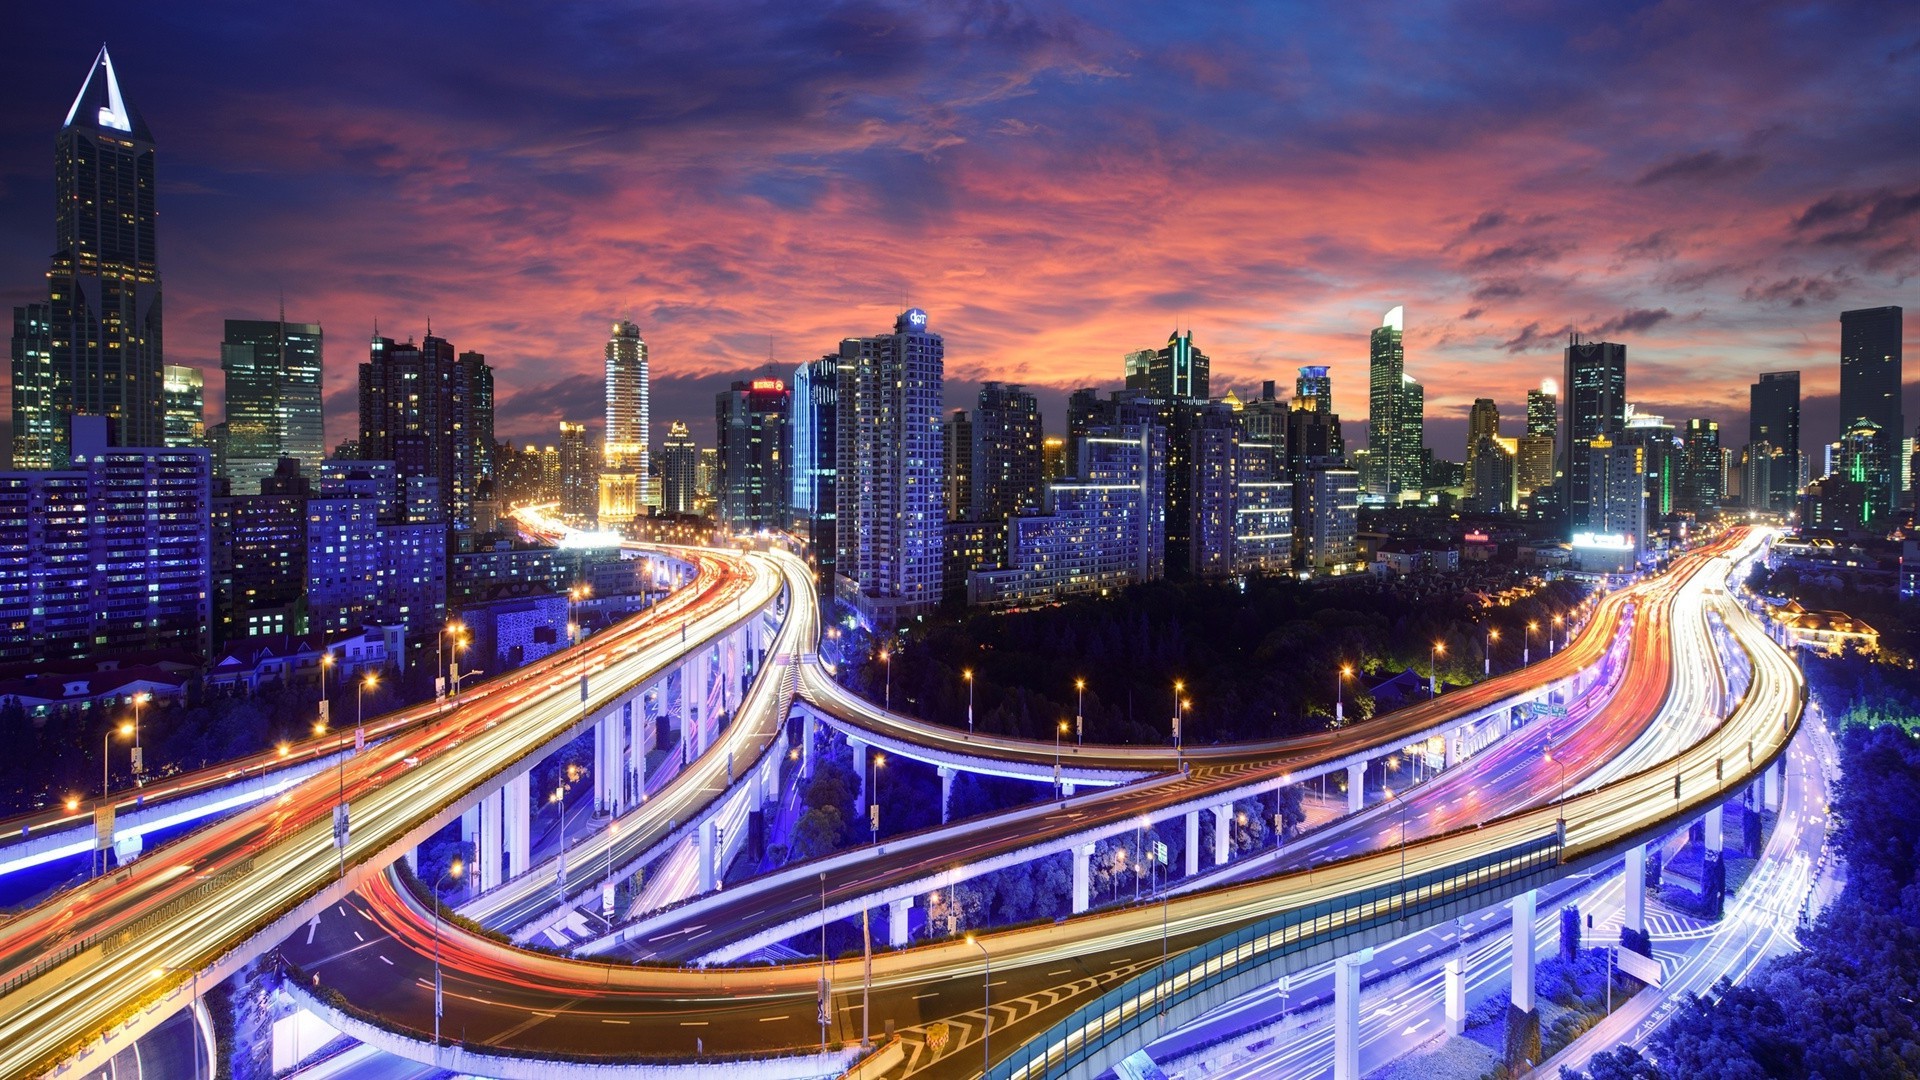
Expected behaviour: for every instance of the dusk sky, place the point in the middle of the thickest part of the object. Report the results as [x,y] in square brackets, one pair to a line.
[1057,184]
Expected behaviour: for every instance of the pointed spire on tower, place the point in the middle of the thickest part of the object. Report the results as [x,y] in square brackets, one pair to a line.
[101,107]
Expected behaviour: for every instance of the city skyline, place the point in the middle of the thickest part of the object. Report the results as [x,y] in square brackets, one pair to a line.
[1257,223]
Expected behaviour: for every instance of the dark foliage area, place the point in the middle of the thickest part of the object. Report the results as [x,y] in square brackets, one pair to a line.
[1844,1005]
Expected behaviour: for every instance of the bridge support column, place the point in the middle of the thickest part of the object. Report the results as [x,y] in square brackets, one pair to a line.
[808,750]
[1356,787]
[1346,1015]
[1455,740]
[897,932]
[1635,917]
[516,824]
[709,878]
[1770,790]
[1457,995]
[1716,840]
[946,791]
[1193,842]
[1523,959]
[489,844]
[1082,877]
[1222,832]
[859,775]
[608,772]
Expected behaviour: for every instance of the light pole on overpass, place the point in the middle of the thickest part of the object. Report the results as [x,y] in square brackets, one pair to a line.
[1493,635]
[1433,670]
[453,871]
[1526,651]
[968,676]
[886,657]
[1058,730]
[106,748]
[1079,711]
[1340,695]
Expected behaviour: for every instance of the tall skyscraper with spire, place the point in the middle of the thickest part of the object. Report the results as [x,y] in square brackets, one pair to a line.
[625,462]
[1396,416]
[99,352]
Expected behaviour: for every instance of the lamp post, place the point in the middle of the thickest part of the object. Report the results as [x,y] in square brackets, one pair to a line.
[986,1008]
[559,796]
[968,676]
[1058,730]
[452,870]
[1433,670]
[873,807]
[106,748]
[139,761]
[1340,695]
[1526,651]
[886,657]
[1493,635]
[326,665]
[1079,710]
[1553,637]
[1178,687]
[340,825]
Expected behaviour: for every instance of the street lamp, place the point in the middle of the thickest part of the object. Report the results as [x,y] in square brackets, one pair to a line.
[106,748]
[1553,635]
[340,825]
[886,657]
[1526,651]
[968,675]
[1058,730]
[451,630]
[560,796]
[1493,635]
[873,808]
[139,761]
[1340,694]
[326,665]
[1079,710]
[452,870]
[1179,686]
[986,1032]
[1433,670]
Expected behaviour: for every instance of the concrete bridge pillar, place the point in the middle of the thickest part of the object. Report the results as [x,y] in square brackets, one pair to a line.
[709,877]
[488,844]
[516,823]
[947,773]
[607,769]
[1457,995]
[1082,877]
[1193,842]
[1716,829]
[1356,787]
[859,774]
[1523,958]
[1770,790]
[1222,832]
[897,932]
[1635,917]
[1346,1014]
[1456,743]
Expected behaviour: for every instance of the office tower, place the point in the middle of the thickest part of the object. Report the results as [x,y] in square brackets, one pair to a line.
[1483,424]
[625,466]
[1870,381]
[1265,417]
[1616,478]
[709,473]
[1491,475]
[1176,371]
[679,469]
[1213,453]
[1053,459]
[1101,529]
[1758,460]
[753,485]
[186,397]
[1596,390]
[431,414]
[1700,473]
[1662,459]
[273,369]
[1084,408]
[1533,466]
[579,472]
[1864,476]
[1005,449]
[1326,522]
[260,558]
[1396,414]
[957,491]
[110,554]
[1773,418]
[371,559]
[100,354]
[816,474]
[1313,389]
[891,459]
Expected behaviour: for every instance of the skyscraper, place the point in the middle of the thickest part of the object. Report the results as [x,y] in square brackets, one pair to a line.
[752,437]
[1314,389]
[679,470]
[579,471]
[1701,473]
[891,460]
[1596,389]
[1773,418]
[1396,416]
[431,414]
[1616,485]
[1005,452]
[186,397]
[1483,427]
[816,455]
[1870,379]
[273,370]
[100,353]
[1176,371]
[957,485]
[1534,467]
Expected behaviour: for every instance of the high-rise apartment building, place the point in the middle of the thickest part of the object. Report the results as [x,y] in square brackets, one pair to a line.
[1701,485]
[816,472]
[625,468]
[260,558]
[1005,453]
[891,460]
[1533,467]
[753,485]
[1326,522]
[186,397]
[109,554]
[1396,416]
[957,485]
[431,414]
[679,470]
[95,347]
[579,472]
[1870,379]
[1483,429]
[1596,392]
[1053,459]
[1773,418]
[372,557]
[273,369]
